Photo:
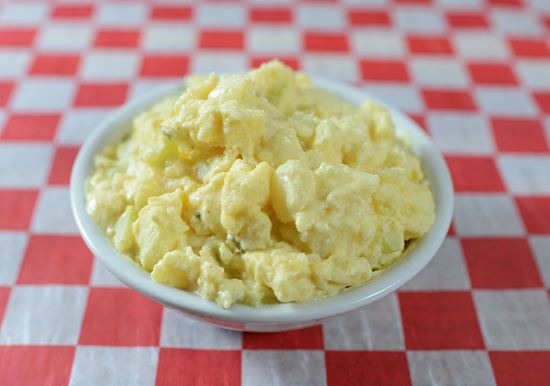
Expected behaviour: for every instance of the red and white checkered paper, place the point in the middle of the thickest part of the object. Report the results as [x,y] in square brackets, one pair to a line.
[475,74]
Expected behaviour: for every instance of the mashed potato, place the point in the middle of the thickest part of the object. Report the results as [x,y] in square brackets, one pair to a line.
[260,188]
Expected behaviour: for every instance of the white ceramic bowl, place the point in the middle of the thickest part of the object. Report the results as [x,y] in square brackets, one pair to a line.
[277,317]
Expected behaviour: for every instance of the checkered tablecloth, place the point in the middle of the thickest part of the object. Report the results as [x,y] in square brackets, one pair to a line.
[475,74]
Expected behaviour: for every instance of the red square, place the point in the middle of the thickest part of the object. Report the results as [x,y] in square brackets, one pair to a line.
[535,212]
[198,367]
[99,94]
[305,339]
[521,368]
[5,91]
[56,260]
[500,263]
[474,174]
[440,320]
[117,38]
[492,73]
[384,70]
[16,37]
[164,65]
[36,365]
[542,99]
[360,17]
[171,12]
[17,207]
[120,317]
[270,15]
[448,100]
[514,3]
[291,62]
[530,47]
[55,65]
[69,11]
[222,40]
[367,368]
[29,127]
[429,45]
[546,21]
[326,42]
[452,230]
[519,135]
[4,295]
[467,20]
[420,120]
[60,173]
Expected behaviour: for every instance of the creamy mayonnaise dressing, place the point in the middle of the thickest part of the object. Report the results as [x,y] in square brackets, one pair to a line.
[260,188]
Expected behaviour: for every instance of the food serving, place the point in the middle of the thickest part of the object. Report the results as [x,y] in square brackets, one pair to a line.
[261,188]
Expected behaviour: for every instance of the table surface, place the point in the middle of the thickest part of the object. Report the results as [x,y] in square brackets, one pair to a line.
[474,74]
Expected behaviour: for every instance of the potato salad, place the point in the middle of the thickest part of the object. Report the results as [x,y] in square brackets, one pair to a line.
[260,188]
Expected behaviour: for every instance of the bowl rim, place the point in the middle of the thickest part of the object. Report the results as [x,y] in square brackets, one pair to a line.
[131,274]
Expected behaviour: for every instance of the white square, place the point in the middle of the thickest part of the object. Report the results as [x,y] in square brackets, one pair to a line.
[114,366]
[181,331]
[141,87]
[505,101]
[12,248]
[101,277]
[374,327]
[481,45]
[24,165]
[450,368]
[514,320]
[366,2]
[401,96]
[438,72]
[525,174]
[534,73]
[542,5]
[44,315]
[168,37]
[320,17]
[331,66]
[65,37]
[23,14]
[220,62]
[419,19]
[175,2]
[220,15]
[540,245]
[118,14]
[461,4]
[271,2]
[378,43]
[109,65]
[273,40]
[76,124]
[446,271]
[36,95]
[299,367]
[13,63]
[487,215]
[515,23]
[53,212]
[461,133]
